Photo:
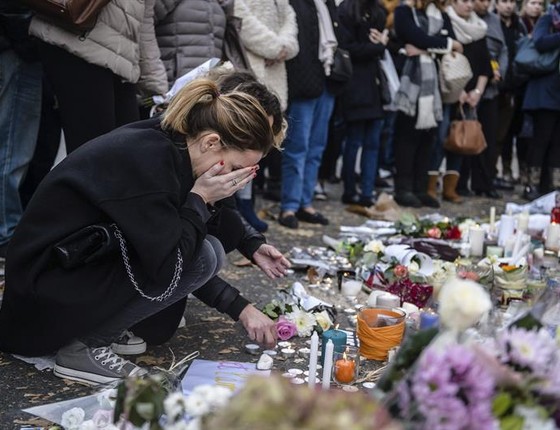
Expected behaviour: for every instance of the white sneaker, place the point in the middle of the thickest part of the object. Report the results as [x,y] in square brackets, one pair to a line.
[128,344]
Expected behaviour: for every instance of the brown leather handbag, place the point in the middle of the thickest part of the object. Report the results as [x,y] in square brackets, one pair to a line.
[465,135]
[74,15]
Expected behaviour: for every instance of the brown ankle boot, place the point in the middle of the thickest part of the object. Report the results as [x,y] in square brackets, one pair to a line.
[450,180]
[432,184]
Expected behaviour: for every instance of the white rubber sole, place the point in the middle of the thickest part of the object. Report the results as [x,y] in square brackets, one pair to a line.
[78,375]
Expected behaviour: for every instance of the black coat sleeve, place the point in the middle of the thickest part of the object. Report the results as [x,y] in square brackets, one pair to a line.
[220,295]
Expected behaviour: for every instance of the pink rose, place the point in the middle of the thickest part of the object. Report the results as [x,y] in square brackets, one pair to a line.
[102,418]
[285,329]
[400,271]
[434,233]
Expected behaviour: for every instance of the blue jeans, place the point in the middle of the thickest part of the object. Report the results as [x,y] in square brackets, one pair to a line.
[452,161]
[308,121]
[365,134]
[388,136]
[20,115]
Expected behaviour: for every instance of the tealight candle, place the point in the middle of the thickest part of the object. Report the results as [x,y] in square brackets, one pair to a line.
[369,385]
[288,375]
[252,349]
[284,344]
[297,381]
[350,389]
[338,338]
[270,352]
[304,352]
[288,352]
[295,372]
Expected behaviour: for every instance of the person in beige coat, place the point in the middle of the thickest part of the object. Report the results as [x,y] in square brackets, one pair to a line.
[269,35]
[95,74]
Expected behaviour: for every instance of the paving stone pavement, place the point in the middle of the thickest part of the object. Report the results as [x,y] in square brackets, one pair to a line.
[207,331]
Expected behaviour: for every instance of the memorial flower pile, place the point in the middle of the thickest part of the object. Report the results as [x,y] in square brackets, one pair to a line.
[292,319]
[410,225]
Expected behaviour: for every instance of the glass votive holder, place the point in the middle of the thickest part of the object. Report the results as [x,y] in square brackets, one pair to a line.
[346,366]
[350,287]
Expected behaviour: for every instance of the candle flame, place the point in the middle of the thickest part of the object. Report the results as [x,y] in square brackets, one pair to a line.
[336,326]
[344,357]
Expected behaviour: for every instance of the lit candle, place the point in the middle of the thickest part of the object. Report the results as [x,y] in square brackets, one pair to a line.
[428,319]
[552,236]
[345,369]
[338,338]
[476,239]
[327,368]
[313,359]
[492,219]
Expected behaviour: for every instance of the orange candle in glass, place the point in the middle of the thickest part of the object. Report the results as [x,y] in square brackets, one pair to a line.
[345,370]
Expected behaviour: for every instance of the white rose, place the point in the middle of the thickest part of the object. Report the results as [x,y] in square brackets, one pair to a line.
[413,267]
[73,418]
[174,405]
[323,320]
[462,303]
[196,405]
[89,425]
[375,246]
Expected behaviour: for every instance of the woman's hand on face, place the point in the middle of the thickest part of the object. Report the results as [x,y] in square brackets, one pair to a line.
[212,185]
[271,261]
[259,327]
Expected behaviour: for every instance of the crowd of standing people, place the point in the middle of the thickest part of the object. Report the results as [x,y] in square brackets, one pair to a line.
[85,85]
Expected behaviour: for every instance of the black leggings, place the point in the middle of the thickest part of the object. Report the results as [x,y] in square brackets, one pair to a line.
[92,99]
[160,327]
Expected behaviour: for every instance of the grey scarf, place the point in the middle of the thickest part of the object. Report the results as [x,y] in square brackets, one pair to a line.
[419,89]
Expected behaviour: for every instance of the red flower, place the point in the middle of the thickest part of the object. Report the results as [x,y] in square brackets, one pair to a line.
[453,233]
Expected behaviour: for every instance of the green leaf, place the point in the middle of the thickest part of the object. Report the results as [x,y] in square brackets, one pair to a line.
[406,357]
[502,403]
[528,322]
[512,422]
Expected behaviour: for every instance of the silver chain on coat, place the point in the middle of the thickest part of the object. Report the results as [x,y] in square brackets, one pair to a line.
[174,281]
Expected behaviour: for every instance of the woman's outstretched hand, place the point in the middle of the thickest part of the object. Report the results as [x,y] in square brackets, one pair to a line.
[271,261]
[212,185]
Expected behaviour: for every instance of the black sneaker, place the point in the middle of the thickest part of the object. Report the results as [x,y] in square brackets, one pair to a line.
[79,362]
[312,218]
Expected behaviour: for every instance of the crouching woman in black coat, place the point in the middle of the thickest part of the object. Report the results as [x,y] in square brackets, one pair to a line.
[154,185]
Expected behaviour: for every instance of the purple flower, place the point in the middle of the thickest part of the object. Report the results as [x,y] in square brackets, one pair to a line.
[527,350]
[451,390]
[285,329]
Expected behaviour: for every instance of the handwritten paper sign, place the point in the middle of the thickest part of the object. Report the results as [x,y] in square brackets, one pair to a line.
[229,374]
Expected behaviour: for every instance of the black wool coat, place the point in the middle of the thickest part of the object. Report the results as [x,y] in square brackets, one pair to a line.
[137,176]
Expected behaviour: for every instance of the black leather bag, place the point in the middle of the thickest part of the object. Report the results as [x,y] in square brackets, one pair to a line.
[383,85]
[86,245]
[341,69]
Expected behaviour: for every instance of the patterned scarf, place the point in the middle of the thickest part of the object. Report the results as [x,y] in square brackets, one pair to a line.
[419,89]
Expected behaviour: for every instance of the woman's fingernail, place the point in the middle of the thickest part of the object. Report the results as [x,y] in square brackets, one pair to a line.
[222,163]
[254,175]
